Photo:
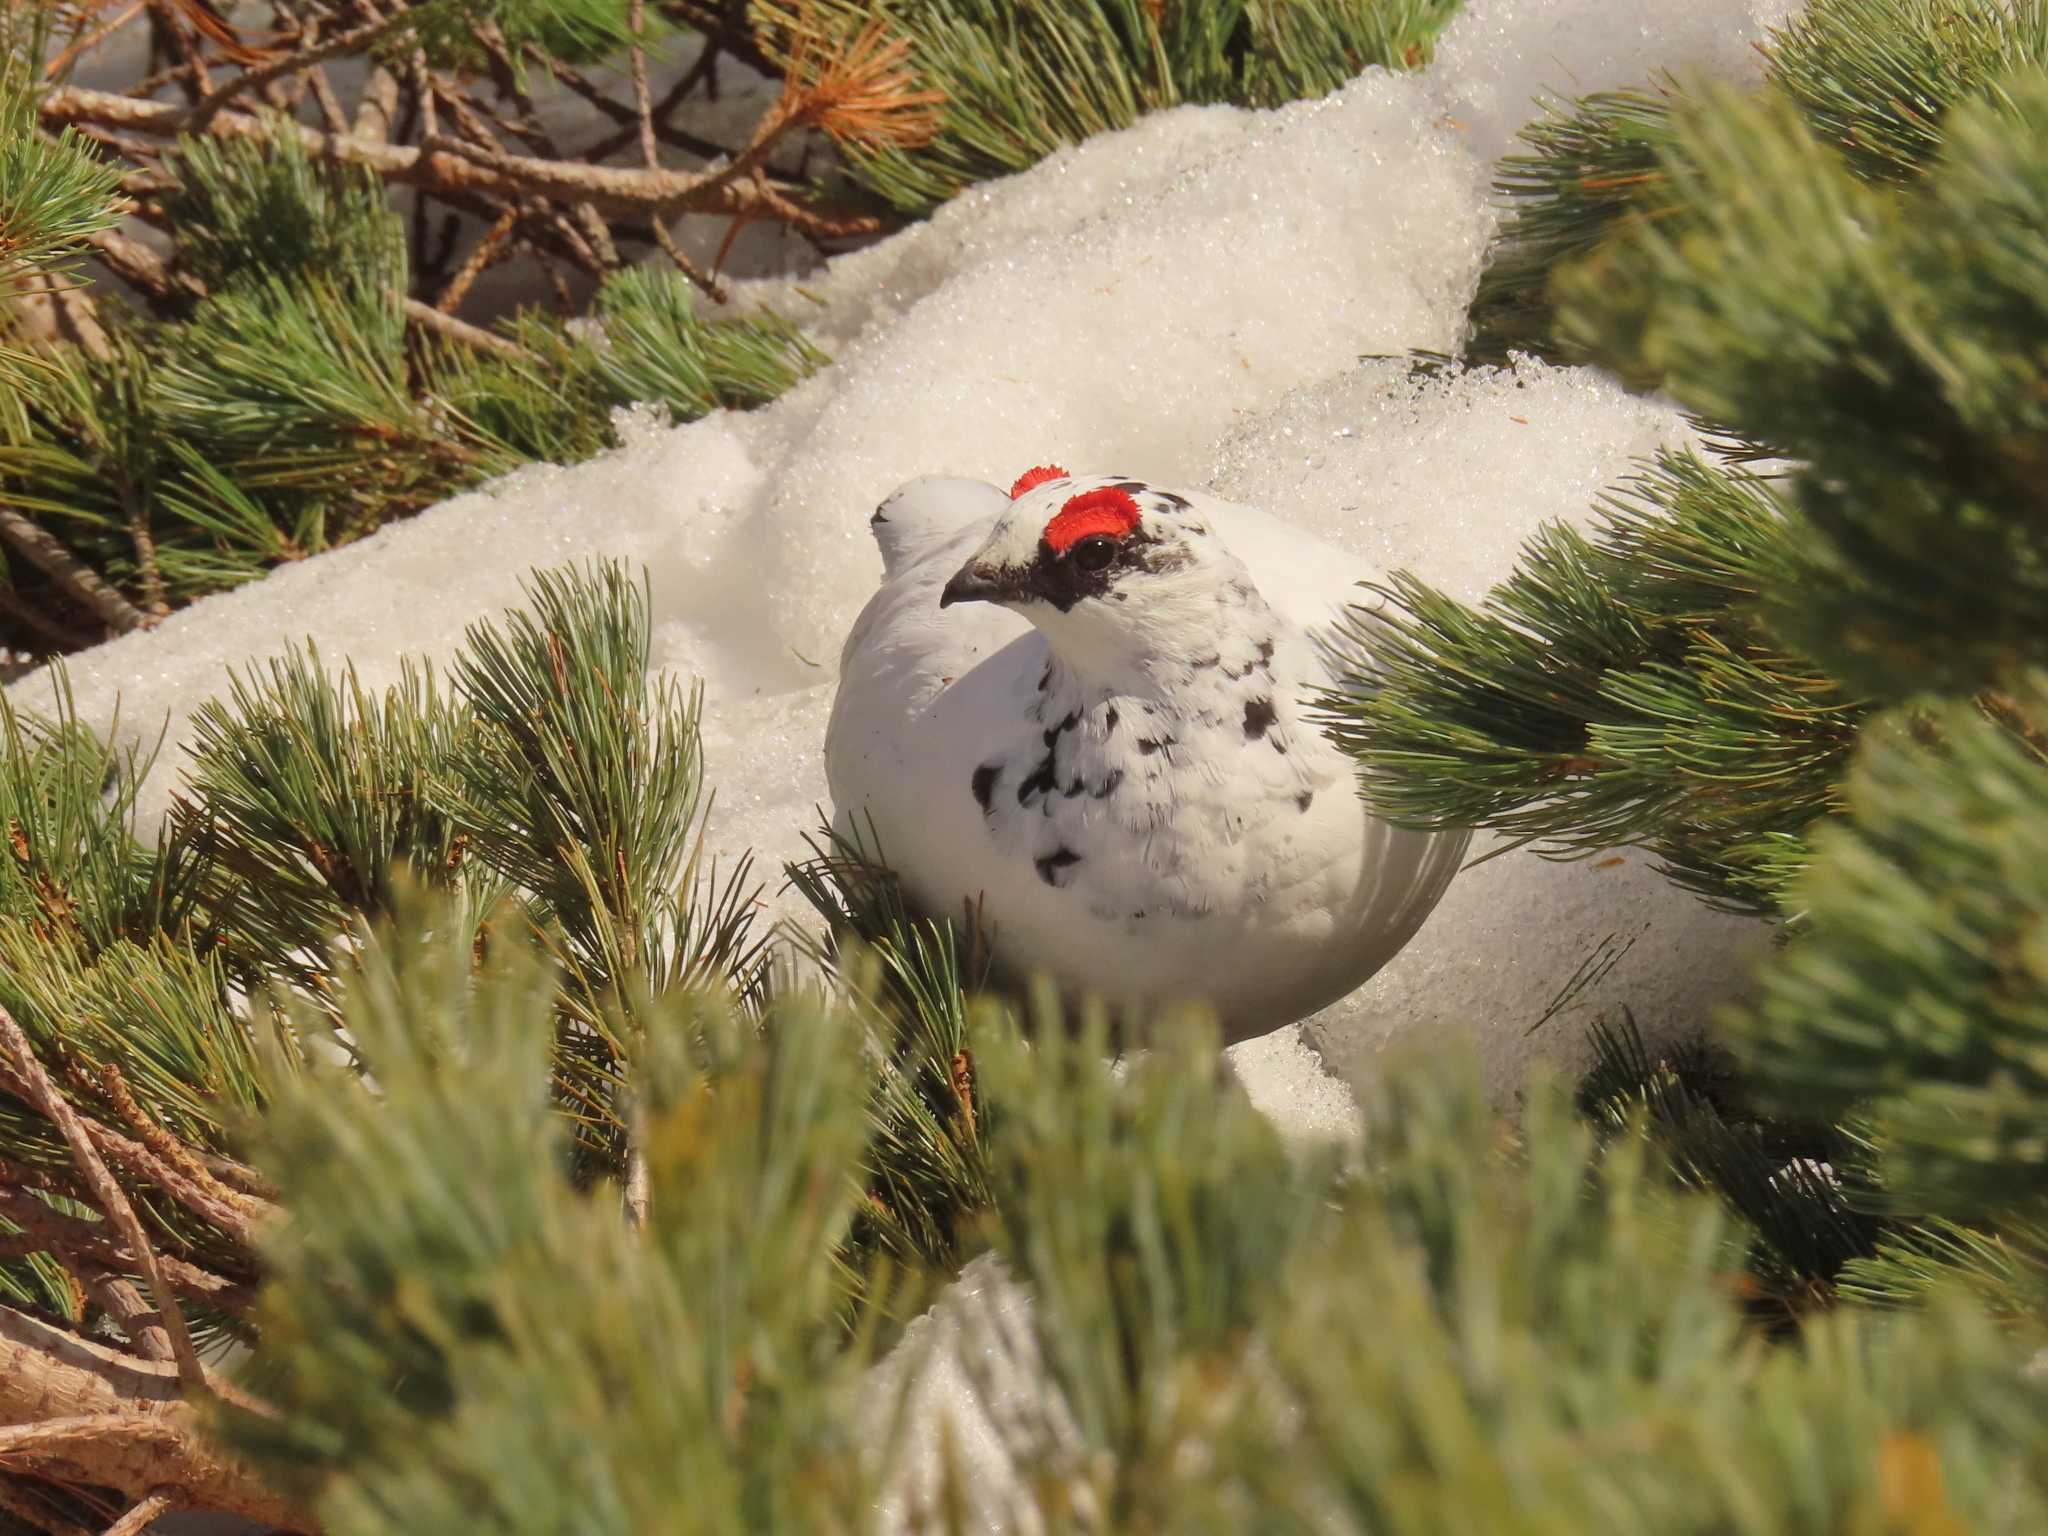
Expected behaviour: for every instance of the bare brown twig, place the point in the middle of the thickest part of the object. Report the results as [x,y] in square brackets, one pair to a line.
[125,1305]
[726,26]
[711,286]
[147,572]
[107,1192]
[429,318]
[324,97]
[77,580]
[376,108]
[143,1514]
[173,1151]
[87,41]
[487,251]
[239,1215]
[135,263]
[170,26]
[582,86]
[43,1227]
[643,98]
[202,111]
[449,167]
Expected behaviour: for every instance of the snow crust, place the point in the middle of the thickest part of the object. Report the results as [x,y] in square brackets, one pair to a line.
[966,1386]
[1198,300]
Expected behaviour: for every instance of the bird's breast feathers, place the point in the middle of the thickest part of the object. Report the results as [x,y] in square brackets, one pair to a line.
[1140,802]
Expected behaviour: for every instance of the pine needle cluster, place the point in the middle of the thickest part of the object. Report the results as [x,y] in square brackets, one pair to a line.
[1013,83]
[1872,79]
[284,408]
[1691,675]
[424,1058]
[1813,685]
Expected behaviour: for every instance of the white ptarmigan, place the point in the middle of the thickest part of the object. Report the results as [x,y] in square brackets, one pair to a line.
[1083,704]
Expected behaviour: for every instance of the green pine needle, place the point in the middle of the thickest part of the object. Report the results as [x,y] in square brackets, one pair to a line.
[1617,689]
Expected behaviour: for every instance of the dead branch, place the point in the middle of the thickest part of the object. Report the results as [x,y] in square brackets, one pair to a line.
[329,104]
[87,41]
[452,168]
[148,572]
[202,112]
[83,1413]
[192,60]
[177,1153]
[239,1177]
[77,580]
[143,1514]
[429,318]
[726,27]
[860,88]
[140,267]
[376,108]
[44,1227]
[107,1191]
[123,1302]
[643,97]
[710,285]
[240,1216]
[473,265]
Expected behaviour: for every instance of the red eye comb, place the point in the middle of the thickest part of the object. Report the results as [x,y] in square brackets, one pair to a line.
[1031,479]
[1104,510]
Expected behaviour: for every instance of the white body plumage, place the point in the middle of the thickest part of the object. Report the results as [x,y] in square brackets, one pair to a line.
[1084,706]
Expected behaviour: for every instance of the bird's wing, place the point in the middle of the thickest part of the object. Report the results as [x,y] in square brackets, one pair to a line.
[1303,579]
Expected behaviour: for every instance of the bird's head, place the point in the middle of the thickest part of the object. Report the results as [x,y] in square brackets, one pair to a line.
[1112,570]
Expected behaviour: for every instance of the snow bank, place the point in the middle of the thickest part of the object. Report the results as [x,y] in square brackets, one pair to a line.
[972,1364]
[1188,299]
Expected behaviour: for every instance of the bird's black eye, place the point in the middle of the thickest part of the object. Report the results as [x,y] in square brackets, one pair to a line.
[1095,552]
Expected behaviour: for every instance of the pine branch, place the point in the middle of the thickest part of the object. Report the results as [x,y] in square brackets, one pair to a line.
[107,1193]
[909,978]
[1846,325]
[1008,86]
[1616,689]
[78,580]
[451,168]
[81,1412]
[1914,994]
[1873,80]
[41,1225]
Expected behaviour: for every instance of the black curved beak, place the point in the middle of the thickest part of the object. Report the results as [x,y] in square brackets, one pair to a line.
[977,583]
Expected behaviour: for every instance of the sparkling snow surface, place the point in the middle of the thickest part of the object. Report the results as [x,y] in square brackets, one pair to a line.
[1196,301]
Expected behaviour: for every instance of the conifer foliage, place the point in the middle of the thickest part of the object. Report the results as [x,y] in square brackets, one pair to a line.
[1815,684]
[416,1133]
